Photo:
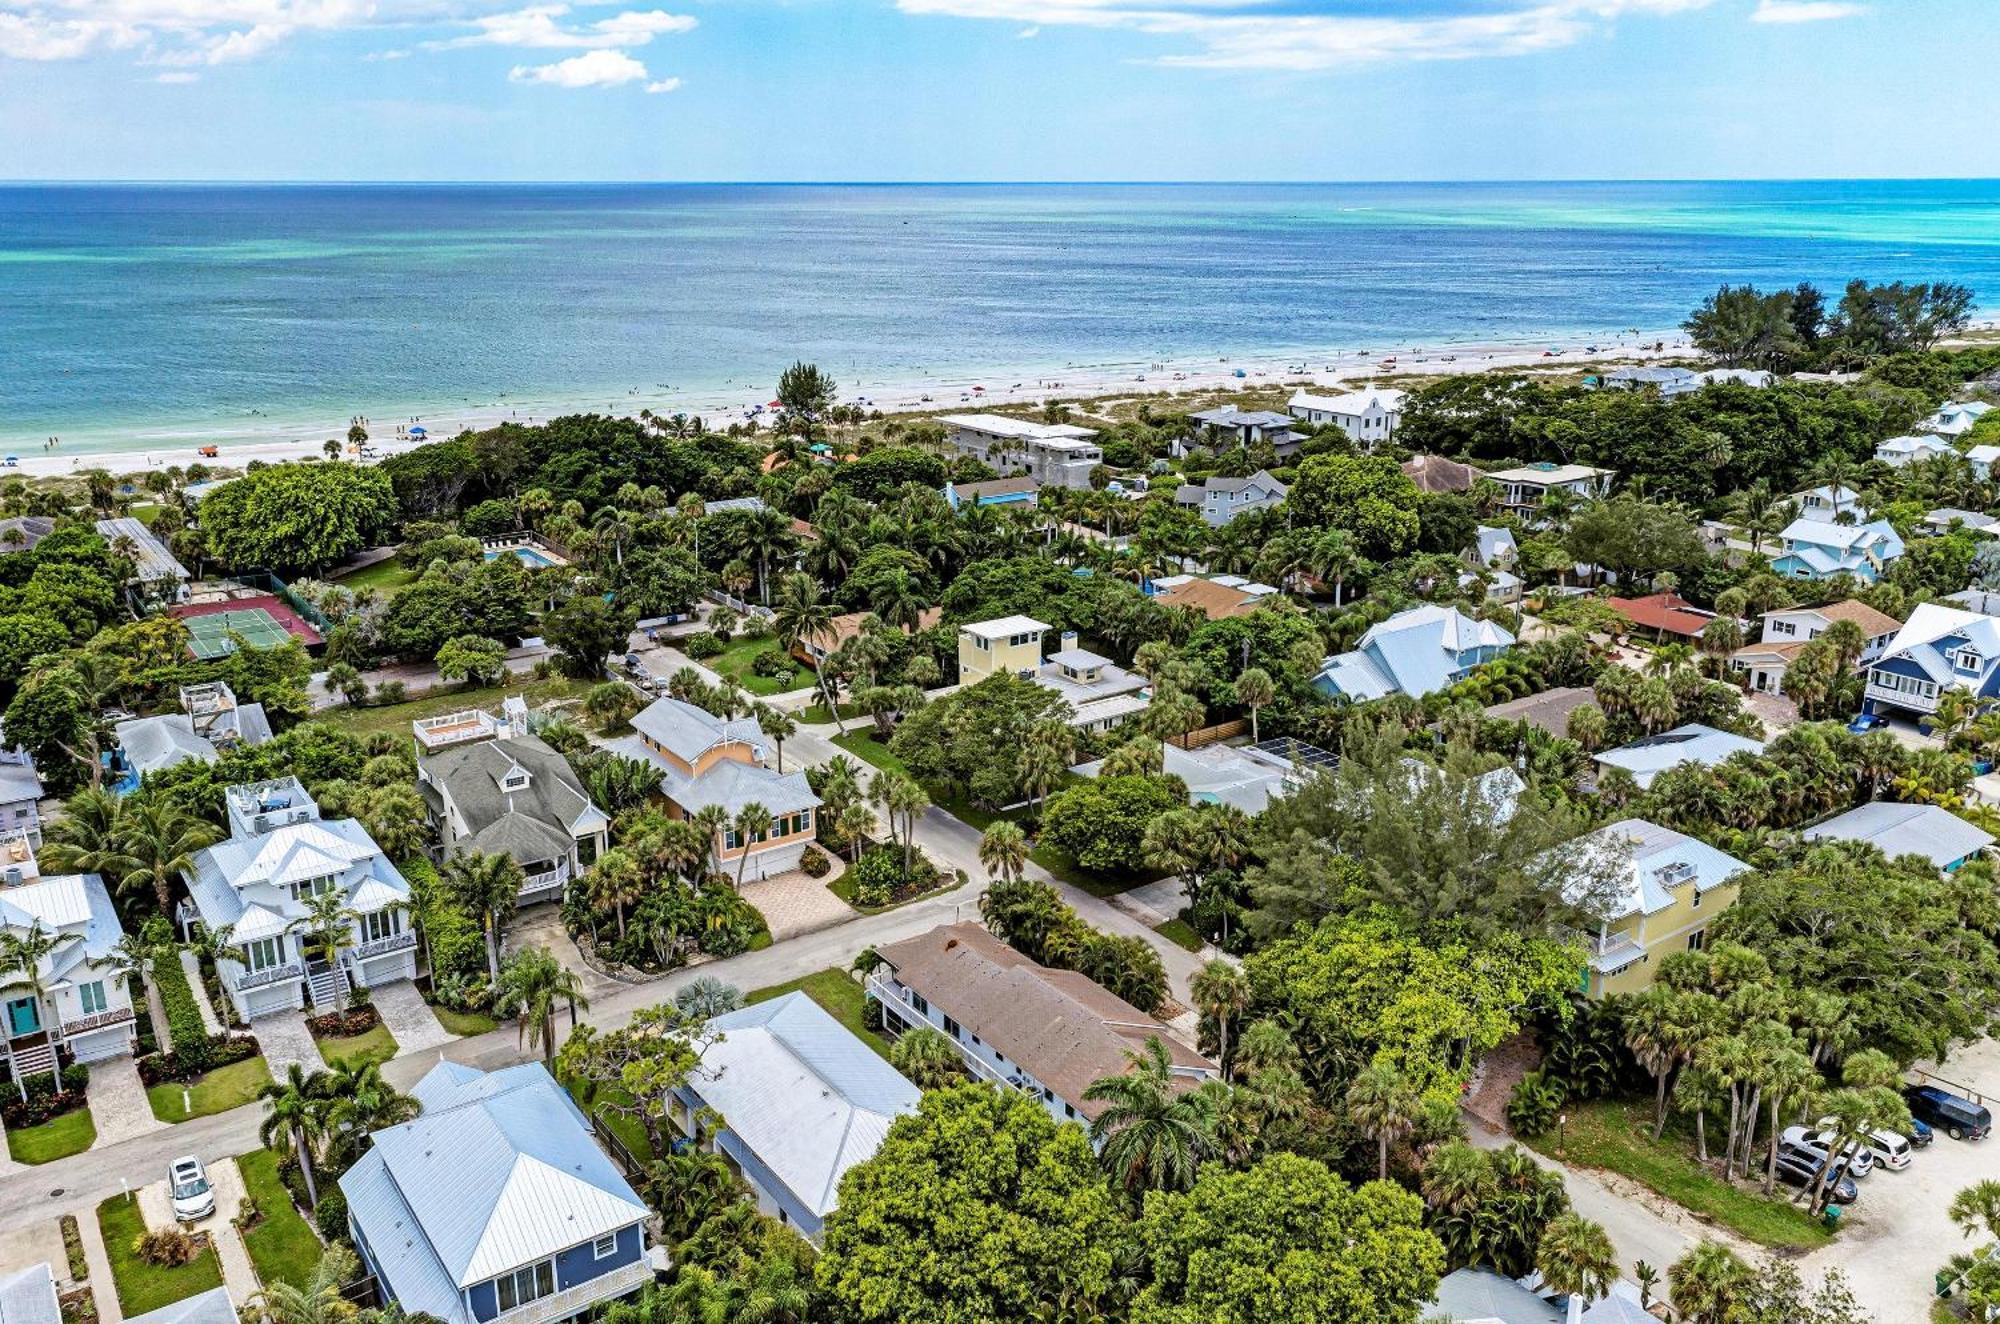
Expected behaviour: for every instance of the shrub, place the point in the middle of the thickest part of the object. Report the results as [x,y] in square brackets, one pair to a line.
[1535,1104]
[331,1216]
[248,1215]
[773,662]
[185,1026]
[391,692]
[180,1068]
[79,1263]
[167,1247]
[344,1024]
[463,993]
[489,519]
[814,863]
[701,645]
[878,876]
[458,946]
[75,1078]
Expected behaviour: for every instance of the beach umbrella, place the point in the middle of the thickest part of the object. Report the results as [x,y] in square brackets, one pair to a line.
[419,432]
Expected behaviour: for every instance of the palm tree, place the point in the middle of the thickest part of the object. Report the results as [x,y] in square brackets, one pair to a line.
[766,535]
[614,882]
[159,841]
[778,726]
[1003,850]
[322,1300]
[22,956]
[927,1058]
[328,924]
[1705,1284]
[531,987]
[490,887]
[705,997]
[803,614]
[1576,1258]
[1384,1108]
[751,823]
[1253,690]
[1221,993]
[89,837]
[1150,1135]
[358,1101]
[296,1121]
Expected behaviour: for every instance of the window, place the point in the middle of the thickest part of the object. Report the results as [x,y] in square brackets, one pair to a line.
[518,1288]
[264,953]
[604,1247]
[1783,627]
[91,996]
[1069,1111]
[1694,940]
[917,1001]
[1696,903]
[311,887]
[381,924]
[951,1027]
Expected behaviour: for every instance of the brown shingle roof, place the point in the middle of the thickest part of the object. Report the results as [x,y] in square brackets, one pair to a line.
[996,487]
[1213,600]
[1548,710]
[1872,622]
[1434,473]
[1058,1026]
[1661,611]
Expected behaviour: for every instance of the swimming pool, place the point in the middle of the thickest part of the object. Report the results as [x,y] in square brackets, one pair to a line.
[531,557]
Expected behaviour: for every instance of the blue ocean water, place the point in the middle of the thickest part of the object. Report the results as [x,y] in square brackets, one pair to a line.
[138,311]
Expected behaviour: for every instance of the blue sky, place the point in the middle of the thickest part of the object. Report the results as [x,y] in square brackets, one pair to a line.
[996,89]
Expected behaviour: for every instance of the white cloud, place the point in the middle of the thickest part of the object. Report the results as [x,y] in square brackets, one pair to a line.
[182,32]
[539,27]
[1026,34]
[591,69]
[33,36]
[180,76]
[1242,34]
[664,85]
[1802,11]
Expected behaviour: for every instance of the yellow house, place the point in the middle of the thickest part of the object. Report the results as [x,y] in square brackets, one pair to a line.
[705,761]
[1011,644]
[1660,889]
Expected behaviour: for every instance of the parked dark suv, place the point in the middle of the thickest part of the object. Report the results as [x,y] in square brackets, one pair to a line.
[1957,1117]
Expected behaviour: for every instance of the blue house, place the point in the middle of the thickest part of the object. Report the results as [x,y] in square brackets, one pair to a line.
[1816,549]
[1939,648]
[801,1099]
[1415,652]
[496,1201]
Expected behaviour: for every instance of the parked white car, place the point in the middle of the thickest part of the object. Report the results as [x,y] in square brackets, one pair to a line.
[188,1184]
[1891,1149]
[1859,1162]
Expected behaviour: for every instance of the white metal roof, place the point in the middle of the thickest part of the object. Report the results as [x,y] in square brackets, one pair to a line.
[1004,626]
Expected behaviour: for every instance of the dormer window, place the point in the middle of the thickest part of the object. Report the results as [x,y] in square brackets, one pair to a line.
[311,887]
[515,780]
[1967,660]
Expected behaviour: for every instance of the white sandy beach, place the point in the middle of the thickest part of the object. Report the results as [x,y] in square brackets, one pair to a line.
[1330,370]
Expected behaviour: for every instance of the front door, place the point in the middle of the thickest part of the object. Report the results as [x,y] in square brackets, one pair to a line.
[23,1017]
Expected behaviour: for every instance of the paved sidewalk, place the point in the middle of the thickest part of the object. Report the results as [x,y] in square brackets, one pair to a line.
[285,1039]
[411,1023]
[103,1290]
[118,1104]
[192,965]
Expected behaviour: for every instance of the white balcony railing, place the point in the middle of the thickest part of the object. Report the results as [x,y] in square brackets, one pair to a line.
[395,942]
[1904,699]
[574,1300]
[888,991]
[271,974]
[542,882]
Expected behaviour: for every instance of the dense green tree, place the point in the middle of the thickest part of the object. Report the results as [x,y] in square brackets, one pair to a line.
[1101,822]
[1285,1242]
[586,630]
[972,742]
[979,1207]
[297,516]
[1368,495]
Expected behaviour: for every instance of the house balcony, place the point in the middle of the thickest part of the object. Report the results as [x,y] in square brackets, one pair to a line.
[575,1300]
[536,886]
[272,974]
[1903,699]
[395,942]
[99,1021]
[889,993]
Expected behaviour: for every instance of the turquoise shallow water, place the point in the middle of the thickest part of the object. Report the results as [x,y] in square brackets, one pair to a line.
[131,311]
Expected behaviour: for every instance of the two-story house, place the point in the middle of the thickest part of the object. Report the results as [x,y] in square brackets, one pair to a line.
[1786,631]
[1819,549]
[1099,692]
[1832,505]
[495,1204]
[801,1100]
[1525,488]
[1018,493]
[1899,451]
[1956,419]
[1010,644]
[279,854]
[1216,597]
[1367,416]
[1054,454]
[1414,652]
[706,762]
[1047,1033]
[20,795]
[1653,891]
[86,1008]
[1939,648]
[1230,426]
[491,788]
[1220,500]
[210,722]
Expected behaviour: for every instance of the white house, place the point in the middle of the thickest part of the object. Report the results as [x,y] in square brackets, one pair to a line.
[1833,505]
[20,795]
[1647,758]
[1956,419]
[1367,416]
[1756,378]
[1220,500]
[1785,632]
[1523,489]
[1981,459]
[255,884]
[1669,382]
[1939,835]
[1899,451]
[88,1009]
[1054,454]
[1245,427]
[211,721]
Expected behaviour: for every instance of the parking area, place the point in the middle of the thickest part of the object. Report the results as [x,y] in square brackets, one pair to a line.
[1897,1234]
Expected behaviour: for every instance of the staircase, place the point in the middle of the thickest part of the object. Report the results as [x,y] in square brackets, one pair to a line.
[327,986]
[32,1059]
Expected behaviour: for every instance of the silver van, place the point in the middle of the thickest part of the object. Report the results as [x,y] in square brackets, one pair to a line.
[1889,1148]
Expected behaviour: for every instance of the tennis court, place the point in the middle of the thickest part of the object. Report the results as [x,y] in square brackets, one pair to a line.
[259,622]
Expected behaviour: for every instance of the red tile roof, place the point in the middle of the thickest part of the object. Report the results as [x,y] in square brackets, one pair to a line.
[1662,611]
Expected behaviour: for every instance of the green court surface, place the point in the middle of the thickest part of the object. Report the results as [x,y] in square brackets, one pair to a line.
[208,636]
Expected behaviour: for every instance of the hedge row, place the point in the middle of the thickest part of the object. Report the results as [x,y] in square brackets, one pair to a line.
[184,1022]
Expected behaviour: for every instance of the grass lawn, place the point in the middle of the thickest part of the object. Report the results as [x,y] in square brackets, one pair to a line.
[377,1045]
[838,992]
[1062,866]
[72,1133]
[385,577]
[817,715]
[1178,932]
[217,1092]
[626,1127]
[395,718]
[463,1023]
[144,1287]
[1617,1135]
[283,1245]
[734,662]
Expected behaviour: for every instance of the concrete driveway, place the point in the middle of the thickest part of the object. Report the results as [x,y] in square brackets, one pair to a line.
[157,1209]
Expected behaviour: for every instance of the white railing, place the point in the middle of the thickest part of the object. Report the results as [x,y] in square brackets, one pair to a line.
[455,728]
[395,942]
[573,1300]
[542,882]
[270,974]
[1904,699]
[887,991]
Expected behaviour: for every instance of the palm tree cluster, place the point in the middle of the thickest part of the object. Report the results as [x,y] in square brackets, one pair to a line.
[322,1120]
[140,848]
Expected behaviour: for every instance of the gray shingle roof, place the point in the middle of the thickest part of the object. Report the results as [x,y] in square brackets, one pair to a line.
[538,817]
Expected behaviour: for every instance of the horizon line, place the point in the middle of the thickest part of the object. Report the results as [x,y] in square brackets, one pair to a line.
[271,182]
